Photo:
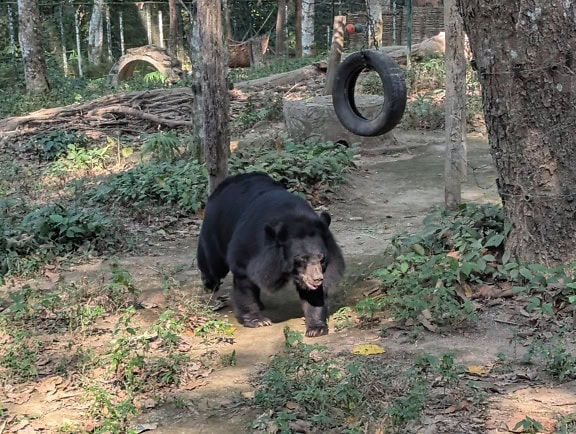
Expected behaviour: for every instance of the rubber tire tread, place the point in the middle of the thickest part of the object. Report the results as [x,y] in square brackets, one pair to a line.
[394,86]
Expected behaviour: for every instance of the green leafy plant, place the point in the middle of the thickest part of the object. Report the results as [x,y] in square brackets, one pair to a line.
[168,328]
[180,183]
[312,168]
[529,425]
[20,355]
[162,146]
[113,414]
[215,327]
[120,289]
[55,144]
[34,237]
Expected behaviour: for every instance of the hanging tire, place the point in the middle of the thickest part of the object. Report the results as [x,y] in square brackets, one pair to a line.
[393,84]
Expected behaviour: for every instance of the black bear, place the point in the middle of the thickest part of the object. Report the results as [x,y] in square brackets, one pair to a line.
[268,237]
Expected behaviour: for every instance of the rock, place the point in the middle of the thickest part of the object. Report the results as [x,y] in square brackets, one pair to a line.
[315,118]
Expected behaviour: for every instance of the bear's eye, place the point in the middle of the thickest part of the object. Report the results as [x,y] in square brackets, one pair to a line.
[300,260]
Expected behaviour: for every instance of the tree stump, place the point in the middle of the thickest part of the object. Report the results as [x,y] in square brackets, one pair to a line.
[315,119]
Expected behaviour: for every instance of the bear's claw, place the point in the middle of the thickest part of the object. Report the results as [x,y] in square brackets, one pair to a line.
[260,321]
[314,332]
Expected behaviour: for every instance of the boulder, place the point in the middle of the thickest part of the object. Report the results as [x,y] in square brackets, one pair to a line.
[315,118]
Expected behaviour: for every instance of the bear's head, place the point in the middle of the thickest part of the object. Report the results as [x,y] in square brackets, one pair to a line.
[302,241]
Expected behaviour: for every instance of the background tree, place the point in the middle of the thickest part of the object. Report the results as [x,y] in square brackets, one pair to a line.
[214,89]
[280,28]
[524,53]
[30,38]
[95,33]
[307,27]
[298,35]
[173,12]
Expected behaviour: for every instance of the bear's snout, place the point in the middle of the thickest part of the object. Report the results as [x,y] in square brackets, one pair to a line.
[313,275]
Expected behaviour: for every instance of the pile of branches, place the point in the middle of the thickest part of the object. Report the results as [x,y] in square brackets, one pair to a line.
[130,113]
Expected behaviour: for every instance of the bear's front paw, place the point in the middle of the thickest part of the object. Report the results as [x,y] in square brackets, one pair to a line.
[256,321]
[315,331]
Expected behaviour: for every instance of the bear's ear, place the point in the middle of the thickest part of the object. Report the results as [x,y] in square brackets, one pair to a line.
[325,217]
[277,233]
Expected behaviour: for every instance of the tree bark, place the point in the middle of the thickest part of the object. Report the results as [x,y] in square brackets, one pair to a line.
[216,104]
[228,33]
[280,29]
[298,36]
[30,38]
[95,33]
[455,106]
[524,51]
[307,27]
[173,31]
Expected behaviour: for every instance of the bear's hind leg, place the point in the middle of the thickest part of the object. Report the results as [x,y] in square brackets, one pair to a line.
[315,306]
[247,304]
[212,270]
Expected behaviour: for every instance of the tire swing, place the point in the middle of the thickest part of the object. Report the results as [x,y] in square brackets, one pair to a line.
[394,86]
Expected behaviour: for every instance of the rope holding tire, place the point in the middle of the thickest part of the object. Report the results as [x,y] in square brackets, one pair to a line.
[393,84]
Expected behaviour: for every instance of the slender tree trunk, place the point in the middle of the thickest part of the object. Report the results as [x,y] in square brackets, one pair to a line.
[109,35]
[455,106]
[307,27]
[298,4]
[197,102]
[77,21]
[12,39]
[121,26]
[30,36]
[95,33]
[280,28]
[173,32]
[148,23]
[160,28]
[227,21]
[214,89]
[63,39]
[524,50]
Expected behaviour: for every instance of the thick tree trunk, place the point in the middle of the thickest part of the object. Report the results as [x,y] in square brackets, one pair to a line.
[280,28]
[95,33]
[216,102]
[455,61]
[30,36]
[524,51]
[307,27]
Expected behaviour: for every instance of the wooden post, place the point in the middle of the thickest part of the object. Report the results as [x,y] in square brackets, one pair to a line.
[335,52]
[455,105]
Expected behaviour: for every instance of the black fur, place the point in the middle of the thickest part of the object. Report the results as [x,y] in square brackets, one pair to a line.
[267,237]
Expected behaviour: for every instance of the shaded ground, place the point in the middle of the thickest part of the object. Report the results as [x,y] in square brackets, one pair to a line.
[389,194]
